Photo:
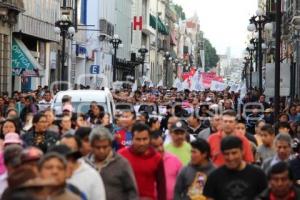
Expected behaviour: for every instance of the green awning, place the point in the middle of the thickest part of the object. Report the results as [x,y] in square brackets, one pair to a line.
[161,27]
[23,63]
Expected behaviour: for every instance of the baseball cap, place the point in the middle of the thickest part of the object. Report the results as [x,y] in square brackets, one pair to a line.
[179,126]
[68,107]
[12,138]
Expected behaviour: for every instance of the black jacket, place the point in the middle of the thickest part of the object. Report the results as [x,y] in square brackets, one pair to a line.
[50,139]
[195,132]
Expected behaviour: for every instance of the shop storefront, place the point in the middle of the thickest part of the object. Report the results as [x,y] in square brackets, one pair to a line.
[25,67]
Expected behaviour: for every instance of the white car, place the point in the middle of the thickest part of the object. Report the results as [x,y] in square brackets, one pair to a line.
[81,100]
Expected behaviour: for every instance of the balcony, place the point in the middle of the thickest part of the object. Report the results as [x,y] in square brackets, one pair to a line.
[16,5]
[9,10]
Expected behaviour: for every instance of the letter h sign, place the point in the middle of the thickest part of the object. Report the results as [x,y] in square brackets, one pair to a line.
[138,23]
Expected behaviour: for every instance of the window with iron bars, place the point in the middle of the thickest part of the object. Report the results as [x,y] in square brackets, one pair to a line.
[4,61]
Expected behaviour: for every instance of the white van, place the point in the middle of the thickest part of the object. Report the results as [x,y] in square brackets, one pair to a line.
[81,100]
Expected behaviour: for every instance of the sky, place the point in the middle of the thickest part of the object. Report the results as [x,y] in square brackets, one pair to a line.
[224,22]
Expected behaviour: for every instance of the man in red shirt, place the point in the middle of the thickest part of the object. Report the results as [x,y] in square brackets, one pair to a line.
[123,136]
[228,128]
[146,163]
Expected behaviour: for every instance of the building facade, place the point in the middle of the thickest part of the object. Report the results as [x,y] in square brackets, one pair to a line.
[34,40]
[109,17]
[9,11]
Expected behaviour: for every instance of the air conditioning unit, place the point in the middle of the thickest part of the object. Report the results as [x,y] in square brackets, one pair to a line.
[110,29]
[103,26]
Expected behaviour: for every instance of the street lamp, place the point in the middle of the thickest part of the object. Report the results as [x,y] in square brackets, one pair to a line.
[254,42]
[143,52]
[244,73]
[259,22]
[167,59]
[115,41]
[176,62]
[249,59]
[277,60]
[65,28]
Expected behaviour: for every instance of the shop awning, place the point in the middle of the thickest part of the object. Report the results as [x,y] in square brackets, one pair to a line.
[23,63]
[161,27]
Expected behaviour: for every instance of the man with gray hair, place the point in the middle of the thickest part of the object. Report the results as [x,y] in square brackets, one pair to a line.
[116,172]
[283,148]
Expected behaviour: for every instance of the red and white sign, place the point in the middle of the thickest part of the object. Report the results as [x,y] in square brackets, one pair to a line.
[138,23]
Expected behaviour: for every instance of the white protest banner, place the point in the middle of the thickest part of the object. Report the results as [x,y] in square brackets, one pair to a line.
[218,86]
[243,89]
[234,88]
[134,86]
[160,83]
[117,85]
[177,83]
[185,84]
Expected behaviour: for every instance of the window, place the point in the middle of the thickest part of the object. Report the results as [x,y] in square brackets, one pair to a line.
[4,61]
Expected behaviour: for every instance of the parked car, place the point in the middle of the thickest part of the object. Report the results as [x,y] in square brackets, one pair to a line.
[81,100]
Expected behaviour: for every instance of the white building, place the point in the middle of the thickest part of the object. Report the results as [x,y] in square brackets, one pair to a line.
[152,11]
[110,17]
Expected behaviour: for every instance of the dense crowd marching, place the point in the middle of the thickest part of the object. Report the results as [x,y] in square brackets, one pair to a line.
[162,144]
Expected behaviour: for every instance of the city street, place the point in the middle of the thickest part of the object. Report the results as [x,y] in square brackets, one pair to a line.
[149,100]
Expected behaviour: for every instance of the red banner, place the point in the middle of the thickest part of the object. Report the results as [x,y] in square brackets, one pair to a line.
[208,77]
[185,75]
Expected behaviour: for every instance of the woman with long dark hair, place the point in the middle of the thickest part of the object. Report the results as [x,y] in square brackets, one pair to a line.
[39,136]
[9,126]
[97,113]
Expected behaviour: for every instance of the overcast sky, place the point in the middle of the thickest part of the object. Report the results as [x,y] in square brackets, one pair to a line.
[224,22]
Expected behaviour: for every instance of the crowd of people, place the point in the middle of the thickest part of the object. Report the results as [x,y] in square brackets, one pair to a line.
[162,144]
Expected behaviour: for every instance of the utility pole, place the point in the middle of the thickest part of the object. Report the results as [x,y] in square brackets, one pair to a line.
[277,60]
